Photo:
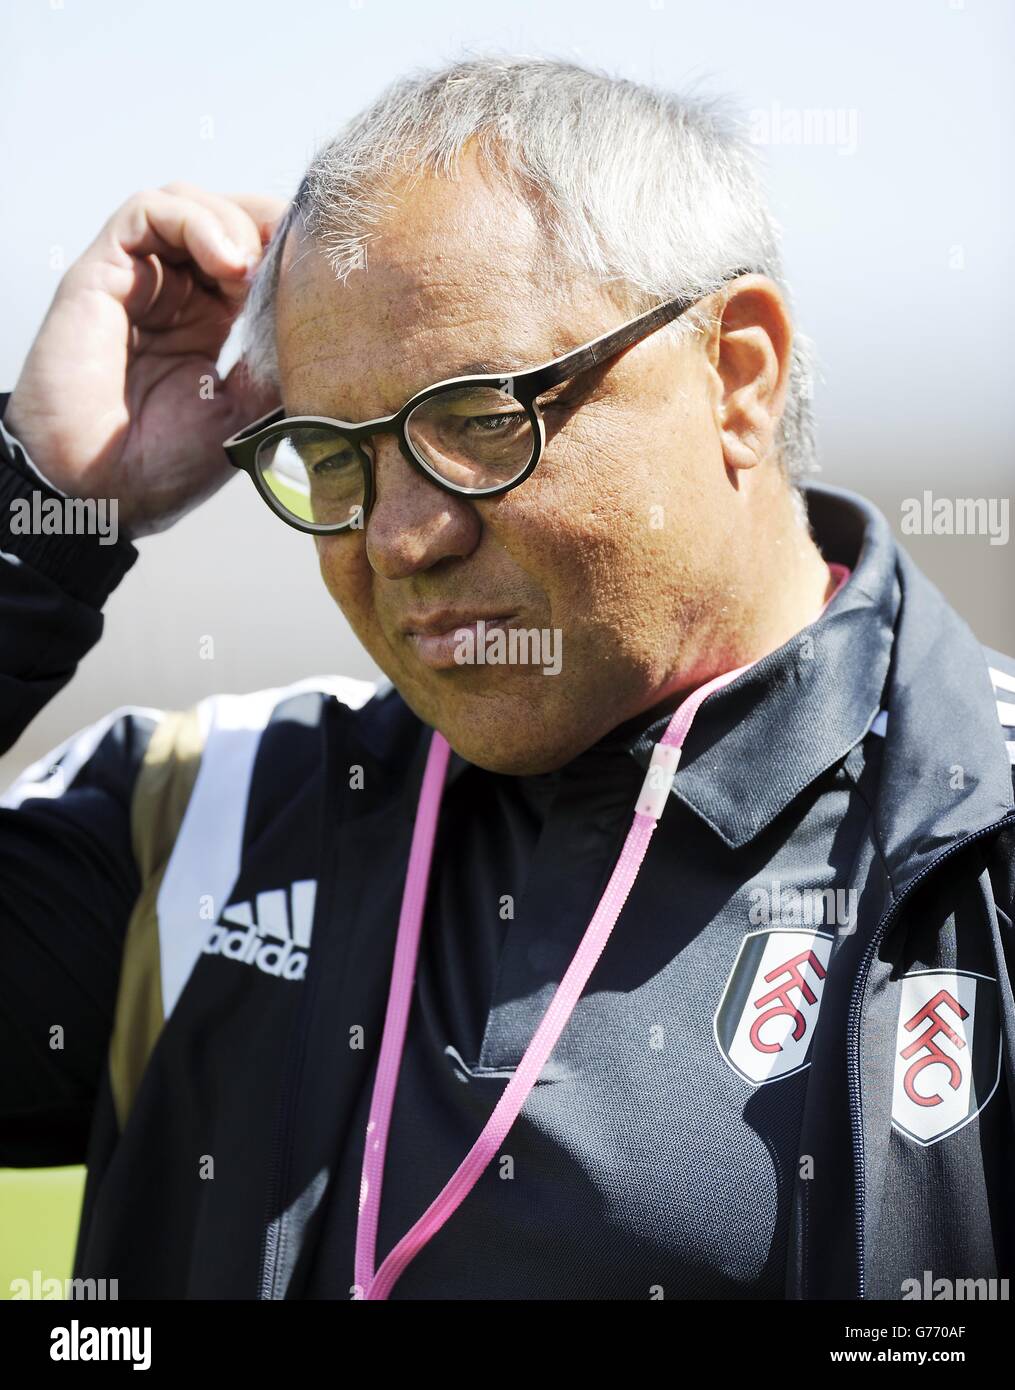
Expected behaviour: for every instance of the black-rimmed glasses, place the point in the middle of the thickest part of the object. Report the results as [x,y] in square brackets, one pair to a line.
[477,436]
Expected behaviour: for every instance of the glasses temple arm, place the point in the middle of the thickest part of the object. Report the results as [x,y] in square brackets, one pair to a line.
[248,431]
[584,358]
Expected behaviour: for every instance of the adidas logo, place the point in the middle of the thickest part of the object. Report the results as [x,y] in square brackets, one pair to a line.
[272,932]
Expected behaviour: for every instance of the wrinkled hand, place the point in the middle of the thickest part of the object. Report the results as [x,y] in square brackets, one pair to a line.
[119,396]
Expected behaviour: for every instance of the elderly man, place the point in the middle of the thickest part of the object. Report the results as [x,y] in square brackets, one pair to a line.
[647,934]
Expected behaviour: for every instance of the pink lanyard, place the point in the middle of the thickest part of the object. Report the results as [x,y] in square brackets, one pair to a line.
[649,807]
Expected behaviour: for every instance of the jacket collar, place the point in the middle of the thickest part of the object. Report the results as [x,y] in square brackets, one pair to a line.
[945,771]
[888,640]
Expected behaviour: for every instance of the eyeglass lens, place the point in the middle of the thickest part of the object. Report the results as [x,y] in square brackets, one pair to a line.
[476,438]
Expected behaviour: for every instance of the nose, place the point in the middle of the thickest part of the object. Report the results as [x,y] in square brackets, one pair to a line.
[413,523]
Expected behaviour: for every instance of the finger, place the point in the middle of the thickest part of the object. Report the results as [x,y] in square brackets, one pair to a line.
[231,292]
[153,290]
[176,286]
[239,225]
[176,230]
[264,209]
[200,326]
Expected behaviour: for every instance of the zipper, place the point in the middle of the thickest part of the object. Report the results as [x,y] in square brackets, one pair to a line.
[278,1171]
[853,1025]
[269,1257]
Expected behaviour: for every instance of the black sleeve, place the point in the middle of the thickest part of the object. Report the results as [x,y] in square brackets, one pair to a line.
[52,588]
[68,879]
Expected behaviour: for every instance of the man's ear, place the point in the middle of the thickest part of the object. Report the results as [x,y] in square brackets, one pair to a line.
[750,351]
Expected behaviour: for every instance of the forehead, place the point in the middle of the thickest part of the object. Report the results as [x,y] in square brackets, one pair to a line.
[458,278]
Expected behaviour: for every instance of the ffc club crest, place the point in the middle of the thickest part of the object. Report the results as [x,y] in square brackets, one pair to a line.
[947,1052]
[769,1007]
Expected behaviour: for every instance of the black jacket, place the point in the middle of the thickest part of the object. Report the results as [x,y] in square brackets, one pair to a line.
[203,904]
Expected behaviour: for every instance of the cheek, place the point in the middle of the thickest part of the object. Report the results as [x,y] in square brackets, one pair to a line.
[346,574]
[622,526]
[588,514]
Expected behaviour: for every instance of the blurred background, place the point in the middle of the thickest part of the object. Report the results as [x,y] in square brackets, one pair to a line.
[887,134]
[897,233]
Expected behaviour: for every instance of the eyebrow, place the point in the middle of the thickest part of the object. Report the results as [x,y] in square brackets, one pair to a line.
[475,368]
[471,369]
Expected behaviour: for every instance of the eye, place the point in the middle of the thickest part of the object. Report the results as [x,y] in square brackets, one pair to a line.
[332,464]
[494,424]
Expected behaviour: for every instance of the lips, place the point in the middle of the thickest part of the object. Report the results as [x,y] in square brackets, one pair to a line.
[436,637]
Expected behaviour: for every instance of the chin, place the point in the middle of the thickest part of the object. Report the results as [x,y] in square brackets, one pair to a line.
[515,746]
[507,732]
[509,759]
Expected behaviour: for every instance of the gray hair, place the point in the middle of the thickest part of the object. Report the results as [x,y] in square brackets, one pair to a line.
[656,196]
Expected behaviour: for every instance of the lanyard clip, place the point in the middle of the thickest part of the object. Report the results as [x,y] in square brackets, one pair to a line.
[658,780]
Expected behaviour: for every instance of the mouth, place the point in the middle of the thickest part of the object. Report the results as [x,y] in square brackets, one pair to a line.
[440,639]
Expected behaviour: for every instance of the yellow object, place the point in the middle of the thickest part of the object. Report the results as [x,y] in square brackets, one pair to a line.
[39,1213]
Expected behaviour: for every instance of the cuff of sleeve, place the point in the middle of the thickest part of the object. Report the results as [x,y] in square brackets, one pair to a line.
[79,563]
